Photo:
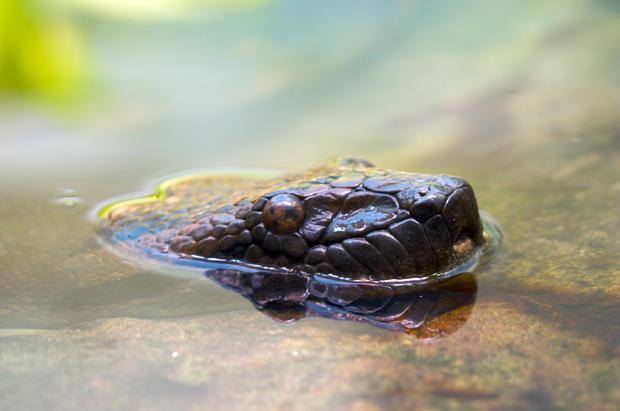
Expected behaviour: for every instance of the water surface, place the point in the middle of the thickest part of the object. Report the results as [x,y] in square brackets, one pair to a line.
[520,100]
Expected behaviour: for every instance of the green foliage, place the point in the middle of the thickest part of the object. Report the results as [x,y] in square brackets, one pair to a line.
[40,53]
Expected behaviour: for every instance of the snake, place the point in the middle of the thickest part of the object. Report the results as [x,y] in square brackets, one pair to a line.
[345,226]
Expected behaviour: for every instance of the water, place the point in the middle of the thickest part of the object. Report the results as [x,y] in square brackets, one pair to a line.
[518,100]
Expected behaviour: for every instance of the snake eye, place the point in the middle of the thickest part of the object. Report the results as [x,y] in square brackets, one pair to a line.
[283,214]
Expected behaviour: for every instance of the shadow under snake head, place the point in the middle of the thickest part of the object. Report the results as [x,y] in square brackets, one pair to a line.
[347,218]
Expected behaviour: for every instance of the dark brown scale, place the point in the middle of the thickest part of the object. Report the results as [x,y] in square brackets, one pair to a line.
[402,215]
[428,206]
[206,246]
[188,229]
[259,204]
[439,237]
[461,214]
[181,243]
[294,245]
[406,198]
[227,243]
[316,255]
[236,226]
[393,251]
[253,219]
[202,231]
[245,237]
[320,209]
[243,211]
[367,254]
[338,257]
[353,219]
[259,232]
[411,235]
[219,231]
[254,253]
[272,242]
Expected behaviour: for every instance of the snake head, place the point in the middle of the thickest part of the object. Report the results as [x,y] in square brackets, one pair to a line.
[347,218]
[354,220]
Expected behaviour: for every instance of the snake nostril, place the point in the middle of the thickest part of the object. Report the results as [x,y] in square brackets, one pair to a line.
[463,246]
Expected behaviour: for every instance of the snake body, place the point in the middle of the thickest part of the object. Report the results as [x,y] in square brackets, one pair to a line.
[346,218]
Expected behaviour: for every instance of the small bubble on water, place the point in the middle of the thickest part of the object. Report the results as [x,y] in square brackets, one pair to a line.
[69,202]
[68,198]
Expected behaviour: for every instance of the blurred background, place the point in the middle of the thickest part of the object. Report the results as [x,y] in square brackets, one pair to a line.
[106,87]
